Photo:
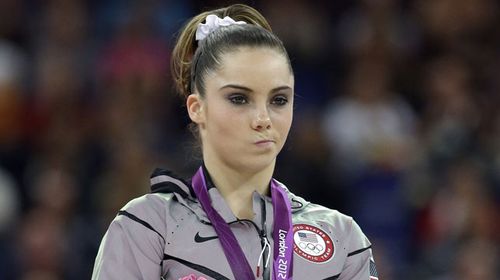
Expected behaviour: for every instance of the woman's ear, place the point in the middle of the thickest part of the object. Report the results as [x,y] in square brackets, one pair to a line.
[194,104]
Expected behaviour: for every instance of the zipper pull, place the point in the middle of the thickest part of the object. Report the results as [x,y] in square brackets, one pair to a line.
[266,244]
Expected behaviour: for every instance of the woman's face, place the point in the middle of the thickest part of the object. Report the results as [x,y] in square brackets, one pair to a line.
[246,113]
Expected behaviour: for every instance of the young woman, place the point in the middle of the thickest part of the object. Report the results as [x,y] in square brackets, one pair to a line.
[232,220]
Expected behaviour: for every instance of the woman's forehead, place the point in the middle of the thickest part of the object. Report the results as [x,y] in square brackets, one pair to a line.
[253,65]
[252,52]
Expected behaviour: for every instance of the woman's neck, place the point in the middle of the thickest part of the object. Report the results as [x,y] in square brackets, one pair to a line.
[237,187]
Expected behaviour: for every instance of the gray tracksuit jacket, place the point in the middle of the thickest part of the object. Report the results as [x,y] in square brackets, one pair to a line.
[167,235]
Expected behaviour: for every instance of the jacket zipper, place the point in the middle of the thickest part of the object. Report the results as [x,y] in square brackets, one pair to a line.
[263,241]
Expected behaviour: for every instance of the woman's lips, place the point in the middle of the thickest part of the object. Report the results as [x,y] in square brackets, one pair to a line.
[264,143]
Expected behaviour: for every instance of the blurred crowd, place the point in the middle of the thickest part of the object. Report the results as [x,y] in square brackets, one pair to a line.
[397,123]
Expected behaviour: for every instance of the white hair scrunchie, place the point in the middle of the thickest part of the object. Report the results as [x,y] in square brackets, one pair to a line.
[212,23]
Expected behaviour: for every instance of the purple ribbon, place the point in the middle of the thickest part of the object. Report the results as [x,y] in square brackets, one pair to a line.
[282,232]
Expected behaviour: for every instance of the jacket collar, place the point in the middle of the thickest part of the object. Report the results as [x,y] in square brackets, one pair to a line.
[165,181]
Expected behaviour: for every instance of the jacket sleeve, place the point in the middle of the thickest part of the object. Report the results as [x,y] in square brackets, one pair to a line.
[132,247]
[359,264]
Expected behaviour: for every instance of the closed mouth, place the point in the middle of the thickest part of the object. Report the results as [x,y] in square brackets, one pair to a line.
[264,141]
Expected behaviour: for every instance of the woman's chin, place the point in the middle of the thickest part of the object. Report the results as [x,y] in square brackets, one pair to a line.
[256,164]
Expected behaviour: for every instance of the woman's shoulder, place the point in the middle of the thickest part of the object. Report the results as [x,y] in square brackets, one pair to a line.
[149,210]
[306,209]
[316,217]
[166,188]
[316,213]
[150,202]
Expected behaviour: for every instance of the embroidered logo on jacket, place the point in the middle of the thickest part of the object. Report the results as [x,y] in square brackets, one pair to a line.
[200,239]
[312,243]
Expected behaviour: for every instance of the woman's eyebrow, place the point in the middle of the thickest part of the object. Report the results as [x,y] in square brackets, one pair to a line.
[237,87]
[281,88]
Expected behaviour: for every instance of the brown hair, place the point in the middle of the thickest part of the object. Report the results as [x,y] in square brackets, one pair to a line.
[191,59]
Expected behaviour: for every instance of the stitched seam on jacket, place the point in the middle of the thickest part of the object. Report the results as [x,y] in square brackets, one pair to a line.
[205,270]
[358,251]
[138,220]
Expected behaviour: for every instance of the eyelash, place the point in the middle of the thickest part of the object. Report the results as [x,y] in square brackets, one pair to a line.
[238,99]
[280,100]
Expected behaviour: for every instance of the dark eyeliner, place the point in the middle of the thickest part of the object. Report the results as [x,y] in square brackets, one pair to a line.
[279,100]
[237,99]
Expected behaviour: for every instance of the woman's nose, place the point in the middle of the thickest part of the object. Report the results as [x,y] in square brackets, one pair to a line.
[261,120]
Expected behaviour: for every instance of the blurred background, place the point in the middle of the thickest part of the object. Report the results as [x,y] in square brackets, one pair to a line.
[397,123]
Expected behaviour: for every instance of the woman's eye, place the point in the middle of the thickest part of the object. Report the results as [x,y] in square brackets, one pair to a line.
[279,100]
[238,99]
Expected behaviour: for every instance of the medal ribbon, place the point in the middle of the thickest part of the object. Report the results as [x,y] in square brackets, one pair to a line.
[282,232]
